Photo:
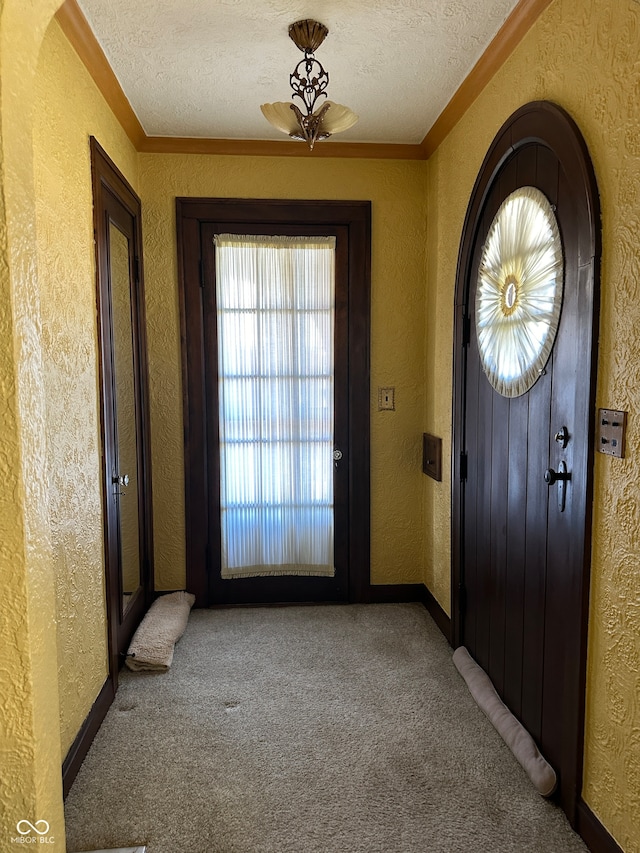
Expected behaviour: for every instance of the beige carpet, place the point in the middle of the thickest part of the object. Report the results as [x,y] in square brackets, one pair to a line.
[307,730]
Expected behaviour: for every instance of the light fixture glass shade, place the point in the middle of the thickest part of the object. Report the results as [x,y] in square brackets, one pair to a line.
[519,292]
[281,116]
[336,119]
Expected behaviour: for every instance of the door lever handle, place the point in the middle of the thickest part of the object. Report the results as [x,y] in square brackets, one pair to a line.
[120,480]
[561,477]
[551,476]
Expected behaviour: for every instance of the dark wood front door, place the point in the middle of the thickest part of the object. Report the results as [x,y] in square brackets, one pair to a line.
[198,223]
[521,562]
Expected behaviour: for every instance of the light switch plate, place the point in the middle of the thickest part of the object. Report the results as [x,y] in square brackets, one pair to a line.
[611,432]
[386,399]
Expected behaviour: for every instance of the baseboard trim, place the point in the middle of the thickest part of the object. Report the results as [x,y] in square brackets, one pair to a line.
[85,736]
[437,613]
[593,833]
[394,593]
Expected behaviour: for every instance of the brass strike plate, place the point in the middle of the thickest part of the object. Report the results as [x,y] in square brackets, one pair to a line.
[611,432]
[432,456]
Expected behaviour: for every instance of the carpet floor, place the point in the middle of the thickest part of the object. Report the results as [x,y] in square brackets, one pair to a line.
[334,729]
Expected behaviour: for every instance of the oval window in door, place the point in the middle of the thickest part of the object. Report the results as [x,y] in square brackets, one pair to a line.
[519,292]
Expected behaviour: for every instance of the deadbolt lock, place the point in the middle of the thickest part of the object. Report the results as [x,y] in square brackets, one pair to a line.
[562,436]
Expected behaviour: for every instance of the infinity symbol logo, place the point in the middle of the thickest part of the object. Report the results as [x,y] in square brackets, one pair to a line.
[20,826]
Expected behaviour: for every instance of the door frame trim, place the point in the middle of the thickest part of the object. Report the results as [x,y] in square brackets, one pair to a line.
[547,124]
[191,214]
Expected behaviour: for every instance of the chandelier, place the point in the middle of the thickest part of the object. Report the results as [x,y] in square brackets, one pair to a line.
[309,81]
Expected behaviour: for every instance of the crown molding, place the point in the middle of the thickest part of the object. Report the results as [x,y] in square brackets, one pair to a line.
[77,30]
[508,37]
[79,33]
[271,148]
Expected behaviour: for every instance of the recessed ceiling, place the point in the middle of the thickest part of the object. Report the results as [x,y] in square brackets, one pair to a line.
[201,68]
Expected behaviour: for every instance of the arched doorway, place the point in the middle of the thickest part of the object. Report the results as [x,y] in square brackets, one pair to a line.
[521,526]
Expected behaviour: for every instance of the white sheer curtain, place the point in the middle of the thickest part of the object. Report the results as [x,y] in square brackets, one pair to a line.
[275,304]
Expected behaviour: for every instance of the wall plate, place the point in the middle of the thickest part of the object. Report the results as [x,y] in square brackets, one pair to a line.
[386,399]
[611,432]
[432,456]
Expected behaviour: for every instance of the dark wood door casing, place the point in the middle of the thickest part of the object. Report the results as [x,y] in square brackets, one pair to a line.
[541,146]
[197,220]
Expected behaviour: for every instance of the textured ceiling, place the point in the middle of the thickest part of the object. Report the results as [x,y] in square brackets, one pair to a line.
[201,68]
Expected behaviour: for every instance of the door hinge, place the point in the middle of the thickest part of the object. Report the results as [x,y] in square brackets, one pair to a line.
[466,329]
[462,598]
[201,272]
[463,465]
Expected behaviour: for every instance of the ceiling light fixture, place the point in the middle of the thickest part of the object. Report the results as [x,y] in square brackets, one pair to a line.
[309,81]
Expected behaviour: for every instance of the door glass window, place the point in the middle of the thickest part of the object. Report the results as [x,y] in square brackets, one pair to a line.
[125,415]
[275,319]
[519,292]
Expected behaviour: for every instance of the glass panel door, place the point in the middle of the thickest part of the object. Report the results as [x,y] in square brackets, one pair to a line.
[275,301]
[125,475]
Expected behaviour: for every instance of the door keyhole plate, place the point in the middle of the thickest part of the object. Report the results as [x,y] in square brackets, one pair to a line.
[561,477]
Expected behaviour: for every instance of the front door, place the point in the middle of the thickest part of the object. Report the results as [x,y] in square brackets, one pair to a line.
[524,399]
[275,331]
[280,306]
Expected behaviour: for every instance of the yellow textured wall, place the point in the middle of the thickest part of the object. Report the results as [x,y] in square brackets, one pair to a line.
[30,755]
[397,192]
[442,233]
[69,109]
[582,54]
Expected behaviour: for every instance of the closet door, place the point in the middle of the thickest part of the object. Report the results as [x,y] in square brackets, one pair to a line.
[127,470]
